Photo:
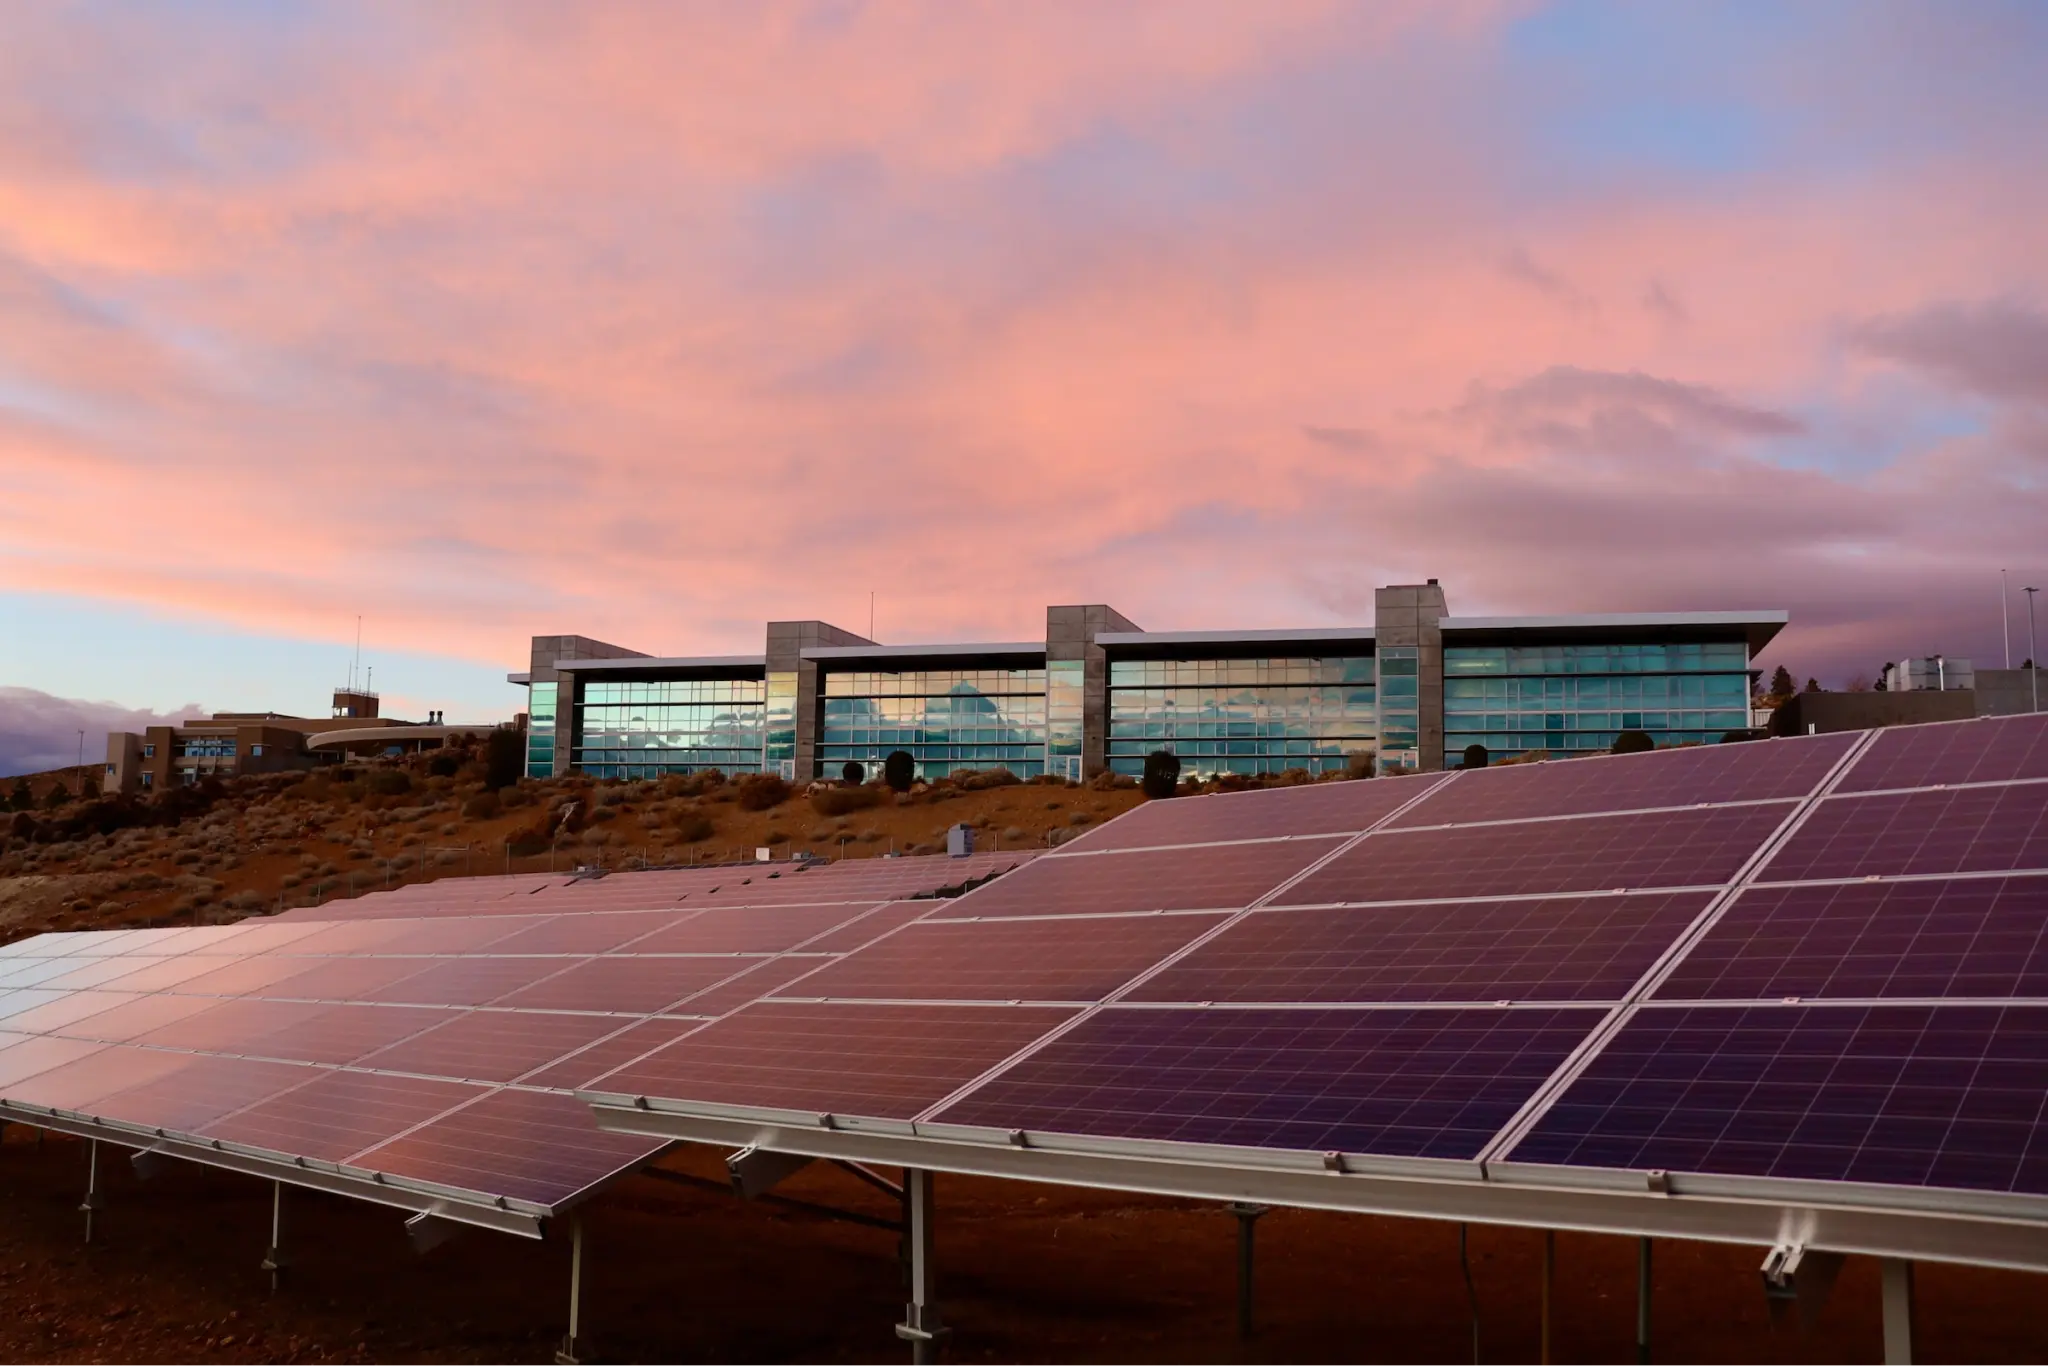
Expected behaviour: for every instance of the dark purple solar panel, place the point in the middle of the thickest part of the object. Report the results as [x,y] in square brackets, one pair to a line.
[337,1034]
[734,929]
[1400,1083]
[1220,877]
[586,934]
[232,1026]
[1312,809]
[873,925]
[491,1045]
[203,1090]
[1968,937]
[470,981]
[1898,1095]
[336,1115]
[883,1062]
[333,979]
[1988,750]
[1692,848]
[1557,949]
[1777,770]
[614,1051]
[1008,960]
[626,986]
[1951,830]
[751,985]
[528,1145]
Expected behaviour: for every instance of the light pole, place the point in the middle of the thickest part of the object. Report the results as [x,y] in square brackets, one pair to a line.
[2033,653]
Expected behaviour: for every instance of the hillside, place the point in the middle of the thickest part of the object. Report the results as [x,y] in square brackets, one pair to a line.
[256,845]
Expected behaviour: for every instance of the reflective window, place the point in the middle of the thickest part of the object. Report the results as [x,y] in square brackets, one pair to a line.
[1241,715]
[946,718]
[540,730]
[649,729]
[1564,699]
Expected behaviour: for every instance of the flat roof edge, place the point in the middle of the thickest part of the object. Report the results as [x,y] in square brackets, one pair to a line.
[1002,647]
[645,662]
[1312,633]
[1760,617]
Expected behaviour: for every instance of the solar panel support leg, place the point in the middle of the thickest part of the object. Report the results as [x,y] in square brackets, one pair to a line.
[1247,1216]
[274,1260]
[920,1326]
[1895,1275]
[570,1352]
[1643,1301]
[93,1199]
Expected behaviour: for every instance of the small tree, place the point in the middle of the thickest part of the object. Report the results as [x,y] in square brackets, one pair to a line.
[443,765]
[1162,773]
[853,774]
[504,758]
[1475,757]
[1633,742]
[1813,685]
[1734,737]
[24,796]
[1781,683]
[56,796]
[899,770]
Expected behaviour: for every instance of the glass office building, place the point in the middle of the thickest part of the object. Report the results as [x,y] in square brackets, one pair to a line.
[1412,691]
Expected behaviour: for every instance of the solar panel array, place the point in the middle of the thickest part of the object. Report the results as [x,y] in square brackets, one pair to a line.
[1810,958]
[1815,958]
[432,1037]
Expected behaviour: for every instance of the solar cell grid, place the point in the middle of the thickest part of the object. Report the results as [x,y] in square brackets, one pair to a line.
[1691,848]
[335,1034]
[998,960]
[67,1007]
[747,930]
[527,1145]
[1967,937]
[138,1016]
[232,1026]
[628,986]
[239,976]
[762,979]
[1952,830]
[1218,877]
[470,981]
[34,971]
[1314,809]
[328,979]
[1397,1083]
[1775,770]
[587,934]
[458,934]
[100,971]
[1896,1095]
[1556,949]
[612,1052]
[102,1073]
[26,1057]
[334,1115]
[204,1089]
[873,924]
[490,1045]
[163,973]
[1990,749]
[881,1062]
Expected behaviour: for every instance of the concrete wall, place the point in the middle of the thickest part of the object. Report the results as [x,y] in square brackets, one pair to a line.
[1070,634]
[1412,614]
[542,668]
[2009,692]
[787,640]
[1836,711]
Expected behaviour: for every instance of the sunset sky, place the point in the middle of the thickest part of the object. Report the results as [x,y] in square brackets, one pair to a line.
[650,322]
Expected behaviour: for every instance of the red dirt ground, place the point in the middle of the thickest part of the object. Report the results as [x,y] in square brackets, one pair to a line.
[1028,1273]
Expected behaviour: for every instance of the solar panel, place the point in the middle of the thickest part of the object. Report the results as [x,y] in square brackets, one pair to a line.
[493,1046]
[747,929]
[1990,749]
[1951,830]
[1578,948]
[878,1061]
[1898,1095]
[1312,809]
[627,986]
[1775,770]
[1406,1083]
[1209,878]
[1961,937]
[872,925]
[204,1089]
[1007,960]
[1691,848]
[334,1115]
[528,1145]
[614,1051]
[763,978]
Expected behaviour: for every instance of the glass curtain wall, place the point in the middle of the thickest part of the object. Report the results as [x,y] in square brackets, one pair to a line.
[1066,682]
[1400,718]
[947,719]
[651,729]
[540,730]
[778,751]
[1578,698]
[1241,715]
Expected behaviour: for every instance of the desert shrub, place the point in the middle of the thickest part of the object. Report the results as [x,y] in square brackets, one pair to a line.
[1079,818]
[977,780]
[56,796]
[1475,757]
[444,765]
[761,792]
[1162,774]
[838,801]
[1013,833]
[509,797]
[504,758]
[853,773]
[775,836]
[481,807]
[533,839]
[899,770]
[694,829]
[1633,742]
[1106,781]
[605,813]
[612,796]
[390,782]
